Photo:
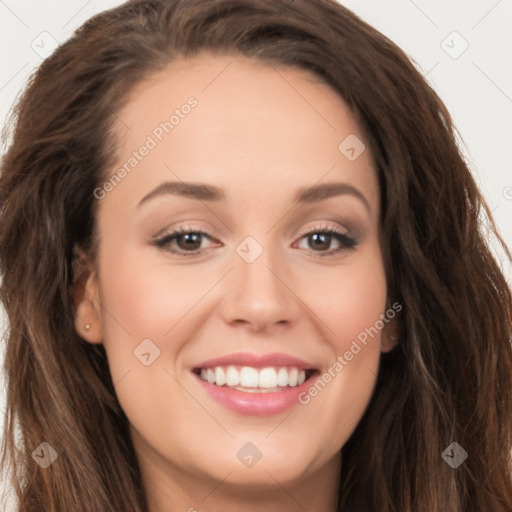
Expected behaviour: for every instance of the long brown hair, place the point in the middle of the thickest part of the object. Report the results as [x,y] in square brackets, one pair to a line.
[449,379]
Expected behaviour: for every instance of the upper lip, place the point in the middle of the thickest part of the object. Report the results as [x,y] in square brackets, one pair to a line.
[257,361]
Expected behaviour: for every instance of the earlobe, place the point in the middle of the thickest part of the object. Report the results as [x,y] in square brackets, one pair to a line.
[86,300]
[388,344]
[389,336]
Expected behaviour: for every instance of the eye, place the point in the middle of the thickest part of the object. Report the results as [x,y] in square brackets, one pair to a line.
[320,238]
[188,240]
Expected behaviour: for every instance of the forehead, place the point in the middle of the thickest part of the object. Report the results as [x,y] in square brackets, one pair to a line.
[252,126]
[229,88]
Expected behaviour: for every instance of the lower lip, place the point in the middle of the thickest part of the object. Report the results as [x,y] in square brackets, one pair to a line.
[256,404]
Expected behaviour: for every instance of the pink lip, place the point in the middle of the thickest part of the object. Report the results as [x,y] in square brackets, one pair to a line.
[257,404]
[256,361]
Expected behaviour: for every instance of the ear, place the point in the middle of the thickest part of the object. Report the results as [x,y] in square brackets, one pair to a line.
[389,335]
[85,298]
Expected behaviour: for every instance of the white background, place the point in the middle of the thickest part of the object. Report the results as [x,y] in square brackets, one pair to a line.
[476,86]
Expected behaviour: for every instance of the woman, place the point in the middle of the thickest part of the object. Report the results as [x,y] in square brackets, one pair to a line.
[243,269]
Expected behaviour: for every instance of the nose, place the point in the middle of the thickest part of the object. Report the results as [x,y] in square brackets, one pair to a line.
[259,295]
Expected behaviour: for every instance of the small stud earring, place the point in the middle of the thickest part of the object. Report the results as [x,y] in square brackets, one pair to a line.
[87,327]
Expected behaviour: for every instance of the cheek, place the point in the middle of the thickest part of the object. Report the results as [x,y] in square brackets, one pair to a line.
[145,312]
[348,300]
[148,301]
[350,308]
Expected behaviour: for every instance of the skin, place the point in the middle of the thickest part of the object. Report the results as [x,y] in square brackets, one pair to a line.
[259,133]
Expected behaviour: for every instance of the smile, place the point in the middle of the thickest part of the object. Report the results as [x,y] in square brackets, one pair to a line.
[249,379]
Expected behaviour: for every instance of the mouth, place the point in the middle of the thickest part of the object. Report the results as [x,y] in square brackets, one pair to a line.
[255,384]
[248,379]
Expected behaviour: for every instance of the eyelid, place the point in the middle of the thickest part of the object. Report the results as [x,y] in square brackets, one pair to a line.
[179,230]
[324,227]
[320,226]
[186,228]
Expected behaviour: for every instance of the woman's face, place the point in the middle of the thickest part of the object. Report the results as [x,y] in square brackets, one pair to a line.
[230,148]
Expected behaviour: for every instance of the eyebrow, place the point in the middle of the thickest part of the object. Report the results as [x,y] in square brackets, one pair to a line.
[204,192]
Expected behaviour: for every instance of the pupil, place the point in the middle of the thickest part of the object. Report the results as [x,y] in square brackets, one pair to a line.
[321,237]
[190,239]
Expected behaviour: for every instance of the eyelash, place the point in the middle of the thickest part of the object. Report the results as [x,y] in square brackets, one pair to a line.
[347,242]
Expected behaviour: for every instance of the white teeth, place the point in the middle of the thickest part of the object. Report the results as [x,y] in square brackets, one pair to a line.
[282,377]
[268,378]
[233,376]
[248,377]
[220,376]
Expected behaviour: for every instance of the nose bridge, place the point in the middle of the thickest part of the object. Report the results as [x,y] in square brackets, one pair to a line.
[258,292]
